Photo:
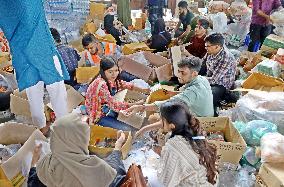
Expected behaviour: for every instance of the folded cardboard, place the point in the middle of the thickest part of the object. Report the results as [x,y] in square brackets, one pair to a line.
[176,57]
[77,44]
[134,120]
[143,71]
[135,47]
[161,93]
[272,174]
[259,81]
[86,74]
[19,104]
[97,10]
[232,150]
[100,133]
[15,133]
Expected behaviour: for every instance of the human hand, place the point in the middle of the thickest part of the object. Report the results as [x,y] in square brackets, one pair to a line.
[120,140]
[134,109]
[36,155]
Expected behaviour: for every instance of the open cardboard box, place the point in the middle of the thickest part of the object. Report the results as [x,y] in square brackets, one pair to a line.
[97,10]
[272,174]
[145,72]
[134,120]
[19,103]
[135,47]
[99,132]
[86,74]
[161,93]
[232,150]
[259,81]
[15,133]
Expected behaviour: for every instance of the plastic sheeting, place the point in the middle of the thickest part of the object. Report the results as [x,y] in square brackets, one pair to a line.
[258,105]
[272,148]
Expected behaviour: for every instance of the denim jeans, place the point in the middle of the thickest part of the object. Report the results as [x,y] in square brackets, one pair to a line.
[258,33]
[109,121]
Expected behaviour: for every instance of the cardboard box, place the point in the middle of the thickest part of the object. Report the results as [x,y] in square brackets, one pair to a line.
[258,81]
[272,174]
[77,44]
[176,57]
[97,10]
[161,93]
[19,103]
[142,71]
[15,133]
[86,74]
[99,132]
[135,47]
[134,120]
[232,150]
[138,23]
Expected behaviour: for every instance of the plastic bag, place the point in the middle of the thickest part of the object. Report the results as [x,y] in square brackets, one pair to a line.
[254,130]
[272,148]
[8,151]
[219,21]
[139,57]
[259,105]
[250,158]
[140,83]
[268,67]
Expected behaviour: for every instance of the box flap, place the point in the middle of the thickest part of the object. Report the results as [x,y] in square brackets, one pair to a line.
[272,174]
[176,58]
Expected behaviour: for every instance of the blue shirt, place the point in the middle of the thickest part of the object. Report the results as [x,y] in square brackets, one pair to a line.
[32,46]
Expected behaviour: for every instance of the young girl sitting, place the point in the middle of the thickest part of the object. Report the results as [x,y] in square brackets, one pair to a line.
[186,159]
[101,105]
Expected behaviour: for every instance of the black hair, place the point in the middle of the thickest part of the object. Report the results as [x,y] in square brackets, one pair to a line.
[88,39]
[159,26]
[182,4]
[55,34]
[106,64]
[215,39]
[187,126]
[192,62]
[203,23]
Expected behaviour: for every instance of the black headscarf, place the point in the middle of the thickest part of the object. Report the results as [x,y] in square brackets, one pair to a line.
[159,26]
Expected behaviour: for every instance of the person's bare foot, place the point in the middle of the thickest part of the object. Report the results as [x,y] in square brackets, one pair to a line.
[120,140]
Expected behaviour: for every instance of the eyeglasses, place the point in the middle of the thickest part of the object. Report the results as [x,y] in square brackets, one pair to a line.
[207,46]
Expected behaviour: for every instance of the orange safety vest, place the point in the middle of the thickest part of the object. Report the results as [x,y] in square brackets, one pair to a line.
[110,48]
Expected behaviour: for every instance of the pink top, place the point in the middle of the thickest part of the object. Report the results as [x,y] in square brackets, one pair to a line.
[94,102]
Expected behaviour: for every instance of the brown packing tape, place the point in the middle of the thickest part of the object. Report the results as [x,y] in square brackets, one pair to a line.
[15,133]
[272,174]
[232,150]
[99,132]
[86,74]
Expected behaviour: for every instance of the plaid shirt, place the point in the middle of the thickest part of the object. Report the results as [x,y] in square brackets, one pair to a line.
[221,68]
[69,56]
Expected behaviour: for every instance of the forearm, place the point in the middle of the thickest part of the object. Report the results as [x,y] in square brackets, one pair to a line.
[262,14]
[154,126]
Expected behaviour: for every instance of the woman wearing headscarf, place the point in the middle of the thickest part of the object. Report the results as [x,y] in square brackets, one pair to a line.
[161,38]
[69,163]
[109,26]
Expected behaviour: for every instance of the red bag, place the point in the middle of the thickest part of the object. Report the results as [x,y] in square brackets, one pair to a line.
[134,177]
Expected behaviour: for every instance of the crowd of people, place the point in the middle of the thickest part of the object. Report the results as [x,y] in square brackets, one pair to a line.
[206,73]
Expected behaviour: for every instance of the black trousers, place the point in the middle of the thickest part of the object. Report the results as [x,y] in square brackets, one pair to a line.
[258,33]
[218,92]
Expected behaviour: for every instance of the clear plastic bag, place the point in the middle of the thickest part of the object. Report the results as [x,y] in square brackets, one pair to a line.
[253,131]
[8,151]
[250,158]
[259,105]
[139,57]
[272,148]
[219,21]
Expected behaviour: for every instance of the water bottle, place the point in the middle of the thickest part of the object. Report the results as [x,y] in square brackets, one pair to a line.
[148,27]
